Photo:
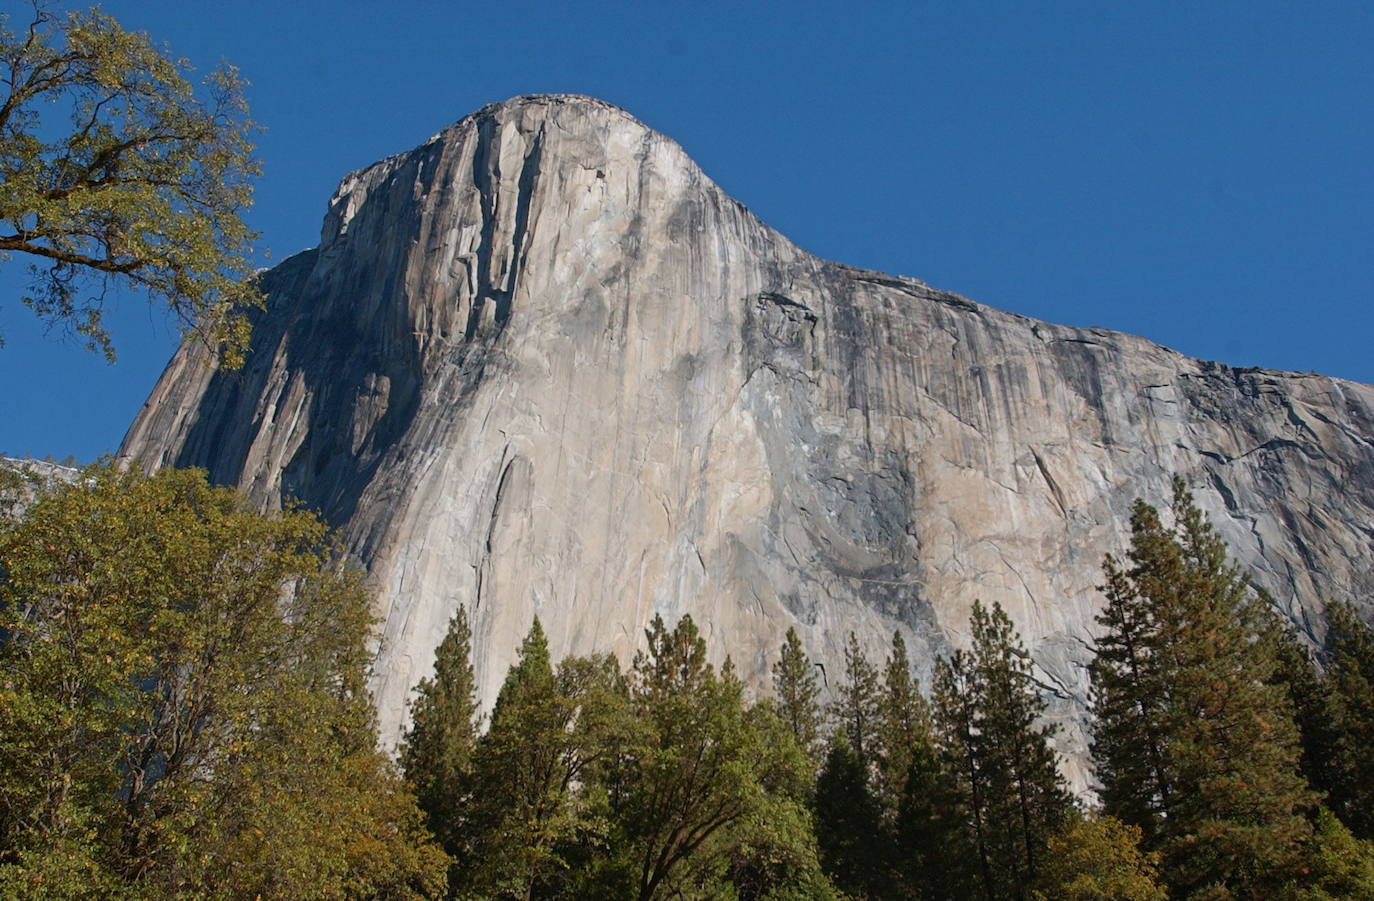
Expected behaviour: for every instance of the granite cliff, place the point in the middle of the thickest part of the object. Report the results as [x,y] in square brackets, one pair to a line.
[541,364]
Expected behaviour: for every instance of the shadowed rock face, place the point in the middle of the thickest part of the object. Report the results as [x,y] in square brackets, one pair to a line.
[542,365]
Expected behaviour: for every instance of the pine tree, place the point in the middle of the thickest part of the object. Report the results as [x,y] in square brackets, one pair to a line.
[794,685]
[1350,662]
[1314,705]
[955,711]
[848,821]
[848,813]
[903,727]
[522,804]
[436,753]
[1027,798]
[1129,692]
[858,708]
[1195,742]
[1013,799]
[928,833]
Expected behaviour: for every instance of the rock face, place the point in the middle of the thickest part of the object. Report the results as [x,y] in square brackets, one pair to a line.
[541,364]
[22,478]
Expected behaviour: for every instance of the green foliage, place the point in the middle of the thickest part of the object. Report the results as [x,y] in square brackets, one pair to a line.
[848,822]
[182,709]
[1002,769]
[1195,741]
[693,779]
[182,713]
[852,830]
[1350,664]
[928,832]
[145,183]
[702,797]
[774,853]
[1098,859]
[532,809]
[857,708]
[903,727]
[436,754]
[1315,712]
[956,714]
[794,685]
[1336,864]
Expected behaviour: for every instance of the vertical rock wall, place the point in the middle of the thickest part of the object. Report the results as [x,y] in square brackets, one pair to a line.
[541,365]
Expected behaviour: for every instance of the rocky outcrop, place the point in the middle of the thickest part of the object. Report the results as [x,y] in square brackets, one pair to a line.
[541,364]
[23,479]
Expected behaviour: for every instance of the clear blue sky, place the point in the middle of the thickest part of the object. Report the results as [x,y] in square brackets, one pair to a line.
[1198,173]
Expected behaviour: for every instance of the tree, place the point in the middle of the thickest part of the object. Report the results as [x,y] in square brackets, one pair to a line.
[773,852]
[144,185]
[1027,801]
[182,704]
[1098,859]
[1339,865]
[903,727]
[436,753]
[988,714]
[524,769]
[794,685]
[849,814]
[956,713]
[702,781]
[928,831]
[1350,663]
[849,822]
[1194,740]
[1315,713]
[858,708]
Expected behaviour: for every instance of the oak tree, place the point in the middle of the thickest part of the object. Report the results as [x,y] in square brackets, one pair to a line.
[117,171]
[183,708]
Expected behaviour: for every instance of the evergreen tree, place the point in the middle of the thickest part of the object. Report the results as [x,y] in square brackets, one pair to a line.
[903,727]
[523,806]
[794,685]
[857,710]
[1027,798]
[849,822]
[1314,706]
[928,833]
[1129,689]
[1350,663]
[1195,742]
[850,830]
[955,710]
[436,753]
[1004,770]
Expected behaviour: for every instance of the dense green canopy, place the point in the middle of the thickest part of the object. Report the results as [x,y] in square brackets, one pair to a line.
[182,708]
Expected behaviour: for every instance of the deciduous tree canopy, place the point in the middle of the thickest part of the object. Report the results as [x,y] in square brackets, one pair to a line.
[115,169]
[182,708]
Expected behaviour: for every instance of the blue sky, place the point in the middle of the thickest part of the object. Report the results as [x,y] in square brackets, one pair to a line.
[1198,173]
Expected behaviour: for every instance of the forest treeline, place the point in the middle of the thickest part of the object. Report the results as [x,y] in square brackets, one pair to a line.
[183,714]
